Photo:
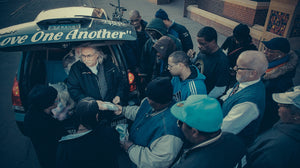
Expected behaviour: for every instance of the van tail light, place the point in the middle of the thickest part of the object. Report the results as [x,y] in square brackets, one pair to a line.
[16,100]
[131,78]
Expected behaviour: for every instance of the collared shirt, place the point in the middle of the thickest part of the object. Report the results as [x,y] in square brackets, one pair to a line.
[241,114]
[94,69]
[205,143]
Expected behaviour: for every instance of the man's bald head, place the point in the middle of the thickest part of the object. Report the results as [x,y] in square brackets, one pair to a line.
[135,19]
[134,13]
[255,60]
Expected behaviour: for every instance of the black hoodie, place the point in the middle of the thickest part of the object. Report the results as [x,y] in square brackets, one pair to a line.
[148,57]
[277,148]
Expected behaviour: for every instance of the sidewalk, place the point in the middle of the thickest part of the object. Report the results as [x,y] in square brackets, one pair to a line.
[175,12]
[147,11]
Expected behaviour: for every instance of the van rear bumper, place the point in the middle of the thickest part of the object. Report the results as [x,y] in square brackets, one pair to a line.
[19,113]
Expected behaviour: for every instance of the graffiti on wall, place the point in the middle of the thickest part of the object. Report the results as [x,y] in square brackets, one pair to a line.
[278,22]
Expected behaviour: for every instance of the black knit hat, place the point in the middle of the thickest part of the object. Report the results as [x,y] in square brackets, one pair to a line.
[160,90]
[162,14]
[41,97]
[241,32]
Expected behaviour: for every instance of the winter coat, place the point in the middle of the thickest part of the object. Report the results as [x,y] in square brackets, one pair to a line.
[133,49]
[225,151]
[148,57]
[82,82]
[278,80]
[165,46]
[96,148]
[183,35]
[279,147]
[233,52]
[44,132]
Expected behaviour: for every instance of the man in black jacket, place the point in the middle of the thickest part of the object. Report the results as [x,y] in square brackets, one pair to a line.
[279,147]
[239,42]
[164,47]
[95,144]
[44,130]
[155,29]
[95,76]
[133,49]
[176,30]
[200,119]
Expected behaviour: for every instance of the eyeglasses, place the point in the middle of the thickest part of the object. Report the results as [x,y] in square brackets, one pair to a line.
[88,56]
[236,68]
[170,66]
[284,105]
[179,123]
[271,51]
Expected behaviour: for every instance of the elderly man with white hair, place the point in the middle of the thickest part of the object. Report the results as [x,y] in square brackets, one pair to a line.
[95,76]
[244,104]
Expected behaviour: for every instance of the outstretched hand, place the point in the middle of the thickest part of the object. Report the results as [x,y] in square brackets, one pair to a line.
[116,100]
[118,112]
[101,105]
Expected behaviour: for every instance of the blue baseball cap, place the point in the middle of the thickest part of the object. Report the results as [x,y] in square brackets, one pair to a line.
[199,111]
[278,43]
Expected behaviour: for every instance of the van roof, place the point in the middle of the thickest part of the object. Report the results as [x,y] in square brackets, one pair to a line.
[87,25]
[71,12]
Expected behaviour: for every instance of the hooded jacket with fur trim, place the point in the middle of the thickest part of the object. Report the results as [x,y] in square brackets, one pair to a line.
[277,80]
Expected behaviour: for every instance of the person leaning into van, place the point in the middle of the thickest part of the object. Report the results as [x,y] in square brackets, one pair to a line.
[95,144]
[95,76]
[40,125]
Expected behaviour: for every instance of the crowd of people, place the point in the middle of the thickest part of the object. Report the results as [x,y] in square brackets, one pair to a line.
[228,106]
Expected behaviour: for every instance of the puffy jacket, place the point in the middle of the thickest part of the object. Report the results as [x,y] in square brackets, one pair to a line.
[278,80]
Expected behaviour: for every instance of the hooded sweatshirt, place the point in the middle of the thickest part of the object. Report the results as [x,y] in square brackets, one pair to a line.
[148,57]
[277,80]
[165,46]
[277,148]
[193,85]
